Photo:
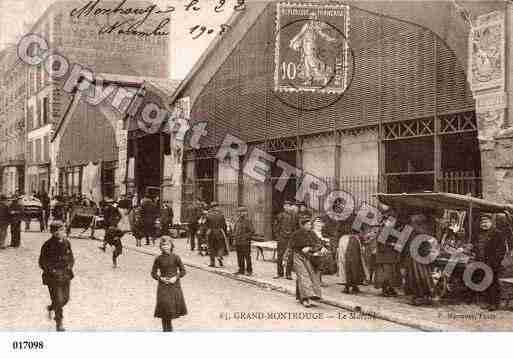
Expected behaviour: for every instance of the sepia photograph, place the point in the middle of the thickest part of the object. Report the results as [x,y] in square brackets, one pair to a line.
[255,166]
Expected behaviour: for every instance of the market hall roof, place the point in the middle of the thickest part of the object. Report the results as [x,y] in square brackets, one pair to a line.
[400,72]
[439,16]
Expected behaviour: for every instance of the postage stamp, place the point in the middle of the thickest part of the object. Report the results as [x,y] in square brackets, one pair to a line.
[311,48]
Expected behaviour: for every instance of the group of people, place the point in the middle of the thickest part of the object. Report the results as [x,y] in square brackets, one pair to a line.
[11,214]
[315,245]
[210,234]
[56,260]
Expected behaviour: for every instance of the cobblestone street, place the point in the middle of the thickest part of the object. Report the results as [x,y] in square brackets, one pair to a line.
[107,299]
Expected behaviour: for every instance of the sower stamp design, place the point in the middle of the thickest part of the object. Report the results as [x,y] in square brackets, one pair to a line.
[311,52]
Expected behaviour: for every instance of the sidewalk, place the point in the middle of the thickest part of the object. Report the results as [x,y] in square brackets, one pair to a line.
[459,317]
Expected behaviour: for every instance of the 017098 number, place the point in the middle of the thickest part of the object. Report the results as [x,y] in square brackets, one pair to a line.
[27,345]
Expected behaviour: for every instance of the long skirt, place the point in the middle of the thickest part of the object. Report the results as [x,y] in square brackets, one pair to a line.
[351,270]
[419,279]
[308,280]
[170,301]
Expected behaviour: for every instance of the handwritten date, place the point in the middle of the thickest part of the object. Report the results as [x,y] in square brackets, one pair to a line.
[198,30]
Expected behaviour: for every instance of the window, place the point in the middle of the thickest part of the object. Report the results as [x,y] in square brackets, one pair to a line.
[46,150]
[45,110]
[38,122]
[29,152]
[30,118]
[70,180]
[38,150]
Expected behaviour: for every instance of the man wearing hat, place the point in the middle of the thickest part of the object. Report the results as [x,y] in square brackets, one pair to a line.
[286,225]
[16,215]
[493,254]
[216,234]
[242,232]
[149,214]
[4,220]
[56,260]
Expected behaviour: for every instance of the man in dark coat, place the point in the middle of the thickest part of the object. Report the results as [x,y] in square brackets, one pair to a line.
[243,232]
[45,203]
[4,220]
[16,215]
[286,225]
[387,257]
[194,214]
[216,234]
[494,252]
[56,260]
[59,209]
[149,213]
[166,218]
[111,215]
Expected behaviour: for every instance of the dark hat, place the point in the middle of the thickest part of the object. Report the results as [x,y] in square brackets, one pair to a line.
[55,226]
[242,209]
[3,197]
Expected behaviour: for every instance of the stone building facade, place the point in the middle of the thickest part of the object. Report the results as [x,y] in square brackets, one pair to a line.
[48,95]
[13,96]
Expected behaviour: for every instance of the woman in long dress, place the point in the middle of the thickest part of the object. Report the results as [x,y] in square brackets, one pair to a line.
[308,283]
[351,270]
[167,270]
[419,279]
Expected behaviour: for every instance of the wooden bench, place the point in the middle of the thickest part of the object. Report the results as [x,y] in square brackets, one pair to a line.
[267,245]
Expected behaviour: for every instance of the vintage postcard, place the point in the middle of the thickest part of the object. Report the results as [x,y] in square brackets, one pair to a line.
[231,165]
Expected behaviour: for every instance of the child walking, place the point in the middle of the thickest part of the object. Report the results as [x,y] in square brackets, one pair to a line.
[113,238]
[167,270]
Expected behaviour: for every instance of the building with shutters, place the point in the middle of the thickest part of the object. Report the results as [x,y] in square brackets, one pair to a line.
[13,96]
[409,119]
[49,96]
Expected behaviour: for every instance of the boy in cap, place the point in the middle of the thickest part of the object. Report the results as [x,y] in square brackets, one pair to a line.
[242,232]
[56,260]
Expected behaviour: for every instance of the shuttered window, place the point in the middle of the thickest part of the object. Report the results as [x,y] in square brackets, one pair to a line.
[46,150]
[38,150]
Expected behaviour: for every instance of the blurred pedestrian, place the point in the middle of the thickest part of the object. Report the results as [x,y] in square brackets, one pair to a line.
[45,202]
[166,217]
[216,234]
[4,220]
[113,238]
[149,213]
[16,215]
[56,260]
[167,270]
